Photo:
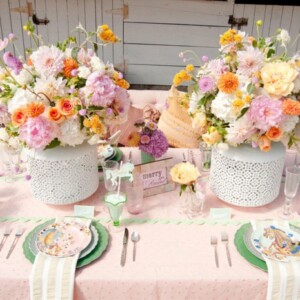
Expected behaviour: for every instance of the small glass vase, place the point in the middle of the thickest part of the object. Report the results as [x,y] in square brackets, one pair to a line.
[192,202]
[205,156]
[146,158]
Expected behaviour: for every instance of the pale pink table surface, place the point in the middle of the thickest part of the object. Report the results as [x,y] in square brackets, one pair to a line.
[174,261]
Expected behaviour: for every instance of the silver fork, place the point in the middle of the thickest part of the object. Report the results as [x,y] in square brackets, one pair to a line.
[224,238]
[214,243]
[6,234]
[18,234]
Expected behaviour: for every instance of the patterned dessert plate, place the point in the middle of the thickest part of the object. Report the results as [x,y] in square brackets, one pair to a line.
[63,239]
[277,243]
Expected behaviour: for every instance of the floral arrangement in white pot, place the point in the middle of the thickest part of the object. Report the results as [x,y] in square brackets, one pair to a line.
[249,94]
[60,94]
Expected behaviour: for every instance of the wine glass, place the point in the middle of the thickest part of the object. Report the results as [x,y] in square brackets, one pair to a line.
[292,179]
[115,202]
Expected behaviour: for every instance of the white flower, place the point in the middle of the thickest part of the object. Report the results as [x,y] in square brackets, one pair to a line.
[70,132]
[296,88]
[283,37]
[25,76]
[21,98]
[51,86]
[109,69]
[289,123]
[223,146]
[97,64]
[194,98]
[48,61]
[84,72]
[94,139]
[14,142]
[199,120]
[3,135]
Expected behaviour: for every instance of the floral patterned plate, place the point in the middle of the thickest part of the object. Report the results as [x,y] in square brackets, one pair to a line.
[277,243]
[63,239]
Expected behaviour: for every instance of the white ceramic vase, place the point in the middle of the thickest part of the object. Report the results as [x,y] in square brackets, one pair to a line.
[63,175]
[246,176]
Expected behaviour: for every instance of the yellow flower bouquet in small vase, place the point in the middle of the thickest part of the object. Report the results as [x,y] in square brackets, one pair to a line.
[192,199]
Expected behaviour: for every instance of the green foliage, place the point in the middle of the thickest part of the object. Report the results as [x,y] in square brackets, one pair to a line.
[54,143]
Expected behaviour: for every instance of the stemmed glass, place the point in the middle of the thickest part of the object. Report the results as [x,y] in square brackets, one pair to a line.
[292,180]
[115,203]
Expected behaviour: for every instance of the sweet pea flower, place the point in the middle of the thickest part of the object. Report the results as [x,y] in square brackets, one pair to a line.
[12,62]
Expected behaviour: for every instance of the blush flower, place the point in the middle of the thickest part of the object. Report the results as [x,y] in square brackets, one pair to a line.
[157,146]
[12,62]
[206,84]
[145,139]
[38,132]
[265,112]
[249,61]
[48,61]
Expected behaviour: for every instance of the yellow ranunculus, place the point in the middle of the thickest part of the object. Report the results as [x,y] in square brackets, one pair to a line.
[199,120]
[184,173]
[278,78]
[212,137]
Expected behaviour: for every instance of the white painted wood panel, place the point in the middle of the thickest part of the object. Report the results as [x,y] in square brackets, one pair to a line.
[179,12]
[164,55]
[167,34]
[62,16]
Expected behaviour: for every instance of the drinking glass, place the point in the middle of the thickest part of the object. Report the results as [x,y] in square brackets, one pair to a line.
[205,156]
[134,192]
[11,163]
[114,202]
[110,182]
[292,179]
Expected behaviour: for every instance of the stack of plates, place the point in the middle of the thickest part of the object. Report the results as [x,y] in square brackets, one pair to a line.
[90,242]
[250,245]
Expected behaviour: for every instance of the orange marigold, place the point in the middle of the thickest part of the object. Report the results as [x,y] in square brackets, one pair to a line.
[69,65]
[34,109]
[228,83]
[106,35]
[291,107]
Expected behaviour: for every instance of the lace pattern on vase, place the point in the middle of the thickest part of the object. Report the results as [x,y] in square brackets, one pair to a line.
[245,183]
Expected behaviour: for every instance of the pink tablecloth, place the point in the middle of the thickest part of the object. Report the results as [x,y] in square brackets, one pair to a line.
[174,258]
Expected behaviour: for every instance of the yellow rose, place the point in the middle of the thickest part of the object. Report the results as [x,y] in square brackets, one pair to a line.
[212,137]
[184,173]
[278,78]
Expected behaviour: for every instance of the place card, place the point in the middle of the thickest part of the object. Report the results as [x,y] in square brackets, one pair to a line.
[220,214]
[84,211]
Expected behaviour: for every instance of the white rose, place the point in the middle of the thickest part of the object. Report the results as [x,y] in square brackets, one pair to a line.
[24,77]
[289,123]
[3,135]
[70,132]
[84,72]
[97,64]
[21,98]
[14,142]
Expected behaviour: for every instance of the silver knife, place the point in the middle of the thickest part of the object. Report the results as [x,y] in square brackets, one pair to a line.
[125,241]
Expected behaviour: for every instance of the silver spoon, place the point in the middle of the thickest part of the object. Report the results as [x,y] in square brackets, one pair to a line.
[135,237]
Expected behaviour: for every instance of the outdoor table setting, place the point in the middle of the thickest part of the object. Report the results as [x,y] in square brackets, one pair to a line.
[202,202]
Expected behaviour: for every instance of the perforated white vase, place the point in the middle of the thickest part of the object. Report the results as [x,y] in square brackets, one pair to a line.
[63,175]
[246,176]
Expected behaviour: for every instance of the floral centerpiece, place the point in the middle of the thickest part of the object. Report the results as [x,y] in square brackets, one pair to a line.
[249,94]
[60,94]
[151,141]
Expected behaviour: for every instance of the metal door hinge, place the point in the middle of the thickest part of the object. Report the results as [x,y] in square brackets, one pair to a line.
[239,22]
[123,11]
[24,9]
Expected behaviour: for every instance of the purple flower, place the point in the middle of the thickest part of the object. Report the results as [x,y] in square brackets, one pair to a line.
[206,84]
[205,58]
[82,112]
[145,139]
[157,146]
[151,125]
[74,72]
[12,62]
[265,112]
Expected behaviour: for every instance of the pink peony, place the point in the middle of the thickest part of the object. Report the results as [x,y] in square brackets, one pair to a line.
[265,112]
[38,132]
[102,88]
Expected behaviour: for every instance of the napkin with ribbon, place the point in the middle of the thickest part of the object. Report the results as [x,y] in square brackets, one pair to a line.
[284,277]
[53,277]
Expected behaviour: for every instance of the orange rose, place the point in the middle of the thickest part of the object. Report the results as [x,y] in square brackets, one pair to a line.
[53,114]
[65,107]
[19,117]
[264,143]
[274,134]
[34,109]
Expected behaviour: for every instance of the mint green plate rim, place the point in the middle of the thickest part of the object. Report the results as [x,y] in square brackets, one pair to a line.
[95,254]
[243,250]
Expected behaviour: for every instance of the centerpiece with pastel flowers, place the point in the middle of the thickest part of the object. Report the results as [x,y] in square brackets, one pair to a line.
[246,101]
[60,99]
[60,95]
